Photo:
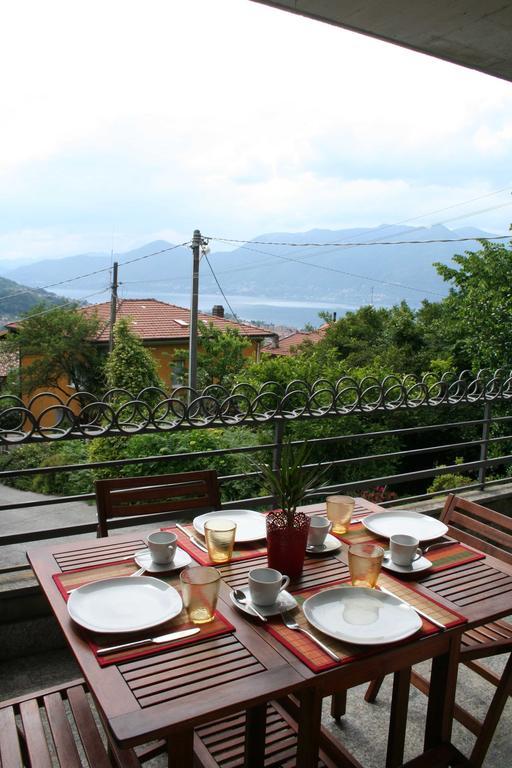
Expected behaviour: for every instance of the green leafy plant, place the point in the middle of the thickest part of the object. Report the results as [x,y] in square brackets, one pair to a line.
[292,479]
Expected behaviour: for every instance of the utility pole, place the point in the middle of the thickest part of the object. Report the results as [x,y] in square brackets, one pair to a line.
[113,306]
[192,349]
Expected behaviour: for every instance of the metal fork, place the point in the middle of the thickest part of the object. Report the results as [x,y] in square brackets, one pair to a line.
[290,622]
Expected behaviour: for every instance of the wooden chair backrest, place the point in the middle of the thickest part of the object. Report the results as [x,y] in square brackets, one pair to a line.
[155,495]
[479,527]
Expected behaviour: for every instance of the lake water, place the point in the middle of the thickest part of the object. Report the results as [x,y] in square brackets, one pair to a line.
[294,312]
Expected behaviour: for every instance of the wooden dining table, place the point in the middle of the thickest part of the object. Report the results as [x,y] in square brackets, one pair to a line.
[176,693]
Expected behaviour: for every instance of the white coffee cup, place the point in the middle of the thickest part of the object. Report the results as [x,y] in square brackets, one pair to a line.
[265,584]
[319,527]
[162,546]
[404,549]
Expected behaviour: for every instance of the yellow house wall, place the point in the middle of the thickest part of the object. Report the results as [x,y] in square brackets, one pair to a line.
[51,396]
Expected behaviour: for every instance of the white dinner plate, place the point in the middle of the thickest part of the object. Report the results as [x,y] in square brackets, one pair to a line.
[361,615]
[330,545]
[284,602]
[422,527]
[250,525]
[180,560]
[124,604]
[417,566]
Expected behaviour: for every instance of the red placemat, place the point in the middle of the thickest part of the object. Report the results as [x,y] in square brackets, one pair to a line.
[317,660]
[73,579]
[441,558]
[241,552]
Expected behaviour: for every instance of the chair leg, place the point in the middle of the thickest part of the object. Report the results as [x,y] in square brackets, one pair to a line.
[338,704]
[503,691]
[373,689]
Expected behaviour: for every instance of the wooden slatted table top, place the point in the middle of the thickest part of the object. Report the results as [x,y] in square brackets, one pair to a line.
[169,691]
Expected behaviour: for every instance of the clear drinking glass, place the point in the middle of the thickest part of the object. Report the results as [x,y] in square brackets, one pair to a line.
[364,563]
[200,590]
[220,539]
[339,512]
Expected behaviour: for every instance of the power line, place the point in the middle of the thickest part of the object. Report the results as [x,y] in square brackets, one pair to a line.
[220,289]
[349,274]
[90,274]
[57,306]
[352,245]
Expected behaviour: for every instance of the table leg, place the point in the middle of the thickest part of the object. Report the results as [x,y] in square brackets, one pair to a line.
[309,722]
[441,699]
[255,727]
[398,718]
[180,749]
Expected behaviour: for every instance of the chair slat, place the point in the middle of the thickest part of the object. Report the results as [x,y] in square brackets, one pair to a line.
[87,729]
[65,746]
[484,529]
[10,753]
[35,738]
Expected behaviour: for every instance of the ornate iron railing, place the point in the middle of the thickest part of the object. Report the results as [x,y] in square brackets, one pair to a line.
[120,412]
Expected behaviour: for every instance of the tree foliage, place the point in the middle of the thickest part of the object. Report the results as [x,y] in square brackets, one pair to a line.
[57,348]
[479,308]
[130,365]
[220,355]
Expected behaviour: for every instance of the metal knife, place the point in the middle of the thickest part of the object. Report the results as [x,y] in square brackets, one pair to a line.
[420,613]
[192,538]
[159,639]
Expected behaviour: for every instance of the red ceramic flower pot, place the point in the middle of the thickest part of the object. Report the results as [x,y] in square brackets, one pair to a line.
[286,544]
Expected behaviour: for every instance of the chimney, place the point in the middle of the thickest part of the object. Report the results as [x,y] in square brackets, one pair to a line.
[218,310]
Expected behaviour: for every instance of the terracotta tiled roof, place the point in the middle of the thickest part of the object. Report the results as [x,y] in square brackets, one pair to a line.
[157,320]
[288,343]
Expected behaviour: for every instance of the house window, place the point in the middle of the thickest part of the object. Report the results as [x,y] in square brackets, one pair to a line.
[177,373]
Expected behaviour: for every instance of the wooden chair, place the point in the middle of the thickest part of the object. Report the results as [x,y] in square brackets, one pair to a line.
[489,532]
[57,726]
[155,496]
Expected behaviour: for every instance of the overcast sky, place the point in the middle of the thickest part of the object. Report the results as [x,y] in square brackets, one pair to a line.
[124,122]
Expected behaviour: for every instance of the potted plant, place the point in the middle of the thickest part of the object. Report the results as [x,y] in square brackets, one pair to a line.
[287,529]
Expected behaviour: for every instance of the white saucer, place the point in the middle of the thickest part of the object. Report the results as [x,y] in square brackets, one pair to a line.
[284,602]
[143,560]
[421,564]
[331,544]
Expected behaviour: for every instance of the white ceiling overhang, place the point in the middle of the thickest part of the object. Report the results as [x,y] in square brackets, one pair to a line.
[473,33]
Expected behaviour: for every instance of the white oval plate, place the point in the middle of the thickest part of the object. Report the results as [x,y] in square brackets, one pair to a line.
[284,602]
[124,604]
[422,527]
[361,615]
[181,559]
[250,525]
[421,564]
[331,544]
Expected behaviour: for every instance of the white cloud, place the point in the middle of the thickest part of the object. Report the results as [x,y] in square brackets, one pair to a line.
[144,118]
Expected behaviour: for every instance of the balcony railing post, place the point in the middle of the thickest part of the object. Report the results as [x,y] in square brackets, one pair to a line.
[484,446]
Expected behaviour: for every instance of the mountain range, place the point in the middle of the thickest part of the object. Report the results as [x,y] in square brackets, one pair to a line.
[276,266]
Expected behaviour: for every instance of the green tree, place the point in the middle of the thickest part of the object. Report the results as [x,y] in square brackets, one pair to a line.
[130,365]
[479,306]
[56,347]
[220,355]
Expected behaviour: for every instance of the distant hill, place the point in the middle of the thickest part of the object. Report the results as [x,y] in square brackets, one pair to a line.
[347,276]
[15,299]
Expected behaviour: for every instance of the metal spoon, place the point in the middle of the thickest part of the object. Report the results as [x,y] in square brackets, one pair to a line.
[242,599]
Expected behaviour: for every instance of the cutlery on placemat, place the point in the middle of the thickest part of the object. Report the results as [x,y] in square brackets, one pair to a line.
[241,598]
[290,622]
[160,639]
[192,538]
[418,611]
[444,543]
